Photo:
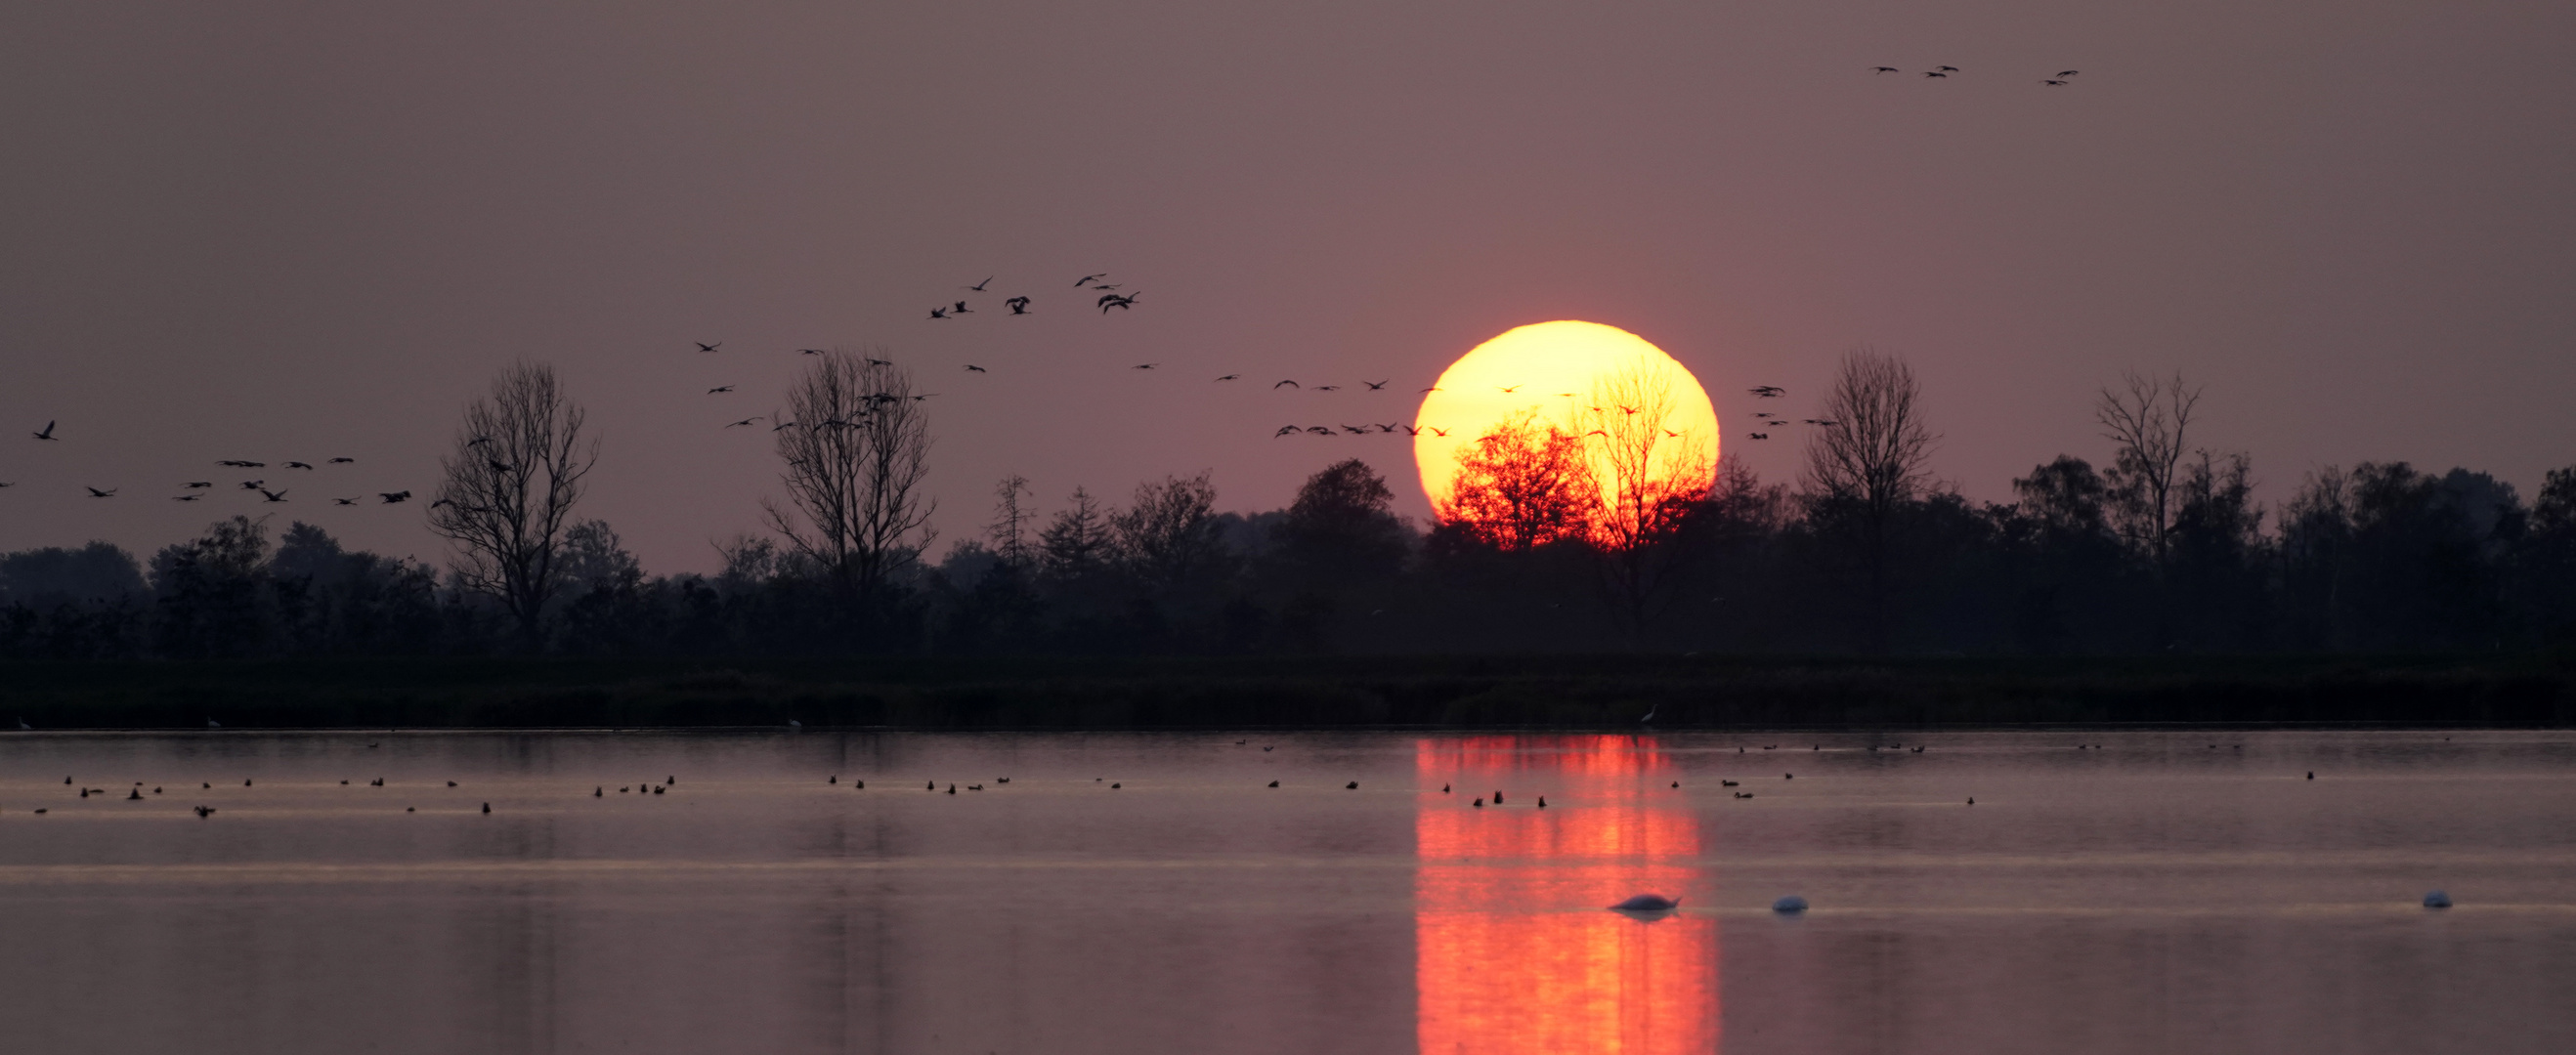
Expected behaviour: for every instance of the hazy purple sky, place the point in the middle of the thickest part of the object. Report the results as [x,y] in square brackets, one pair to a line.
[295,230]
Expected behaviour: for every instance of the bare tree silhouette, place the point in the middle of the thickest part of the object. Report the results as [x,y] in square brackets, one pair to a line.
[854,471]
[1869,460]
[1655,478]
[2147,418]
[509,485]
[1522,485]
[1009,529]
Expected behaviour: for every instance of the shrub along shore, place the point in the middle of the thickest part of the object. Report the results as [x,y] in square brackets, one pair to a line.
[1601,692]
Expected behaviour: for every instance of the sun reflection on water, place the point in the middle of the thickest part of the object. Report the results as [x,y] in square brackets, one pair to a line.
[1514,951]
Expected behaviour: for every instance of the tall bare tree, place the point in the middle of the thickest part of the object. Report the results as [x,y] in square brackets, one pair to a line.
[509,487]
[2146,417]
[1010,527]
[855,461]
[1868,460]
[1655,476]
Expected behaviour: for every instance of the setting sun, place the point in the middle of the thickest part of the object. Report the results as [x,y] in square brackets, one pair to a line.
[1583,378]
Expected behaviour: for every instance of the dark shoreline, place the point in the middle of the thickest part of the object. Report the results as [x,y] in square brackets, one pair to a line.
[1332,692]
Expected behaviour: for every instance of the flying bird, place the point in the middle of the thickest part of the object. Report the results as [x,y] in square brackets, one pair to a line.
[1231,377]
[972,368]
[343,461]
[1768,391]
[743,422]
[1412,431]
[1115,300]
[1514,388]
[2053,83]
[1671,433]
[1285,430]
[96,493]
[475,442]
[1376,385]
[705,347]
[48,434]
[1108,285]
[344,501]
[1144,366]
[1019,305]
[1290,384]
[960,309]
[809,351]
[979,287]
[1437,431]
[1433,388]
[1823,421]
[1077,283]
[939,313]
[499,466]
[1759,435]
[252,485]
[720,388]
[2068,73]
[299,465]
[200,483]
[442,502]
[1319,430]
[1882,69]
[1355,430]
[392,497]
[1947,69]
[1328,388]
[273,496]
[186,498]
[880,362]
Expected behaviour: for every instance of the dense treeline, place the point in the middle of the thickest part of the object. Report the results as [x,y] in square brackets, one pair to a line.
[2381,557]
[1547,544]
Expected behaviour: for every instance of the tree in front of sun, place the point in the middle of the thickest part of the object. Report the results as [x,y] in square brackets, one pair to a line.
[1523,484]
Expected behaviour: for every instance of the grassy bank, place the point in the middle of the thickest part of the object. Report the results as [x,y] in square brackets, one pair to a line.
[1309,692]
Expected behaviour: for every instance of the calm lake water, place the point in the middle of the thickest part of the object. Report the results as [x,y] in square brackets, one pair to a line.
[2169,892]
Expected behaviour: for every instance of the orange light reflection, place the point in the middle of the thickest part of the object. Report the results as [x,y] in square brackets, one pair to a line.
[1514,951]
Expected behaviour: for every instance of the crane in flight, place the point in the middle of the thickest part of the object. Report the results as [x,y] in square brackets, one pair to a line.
[1231,377]
[48,433]
[1077,283]
[705,347]
[1018,305]
[96,493]
[1768,391]
[979,287]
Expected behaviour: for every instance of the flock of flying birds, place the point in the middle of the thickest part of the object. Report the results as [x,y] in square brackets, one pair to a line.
[195,490]
[1109,297]
[2063,78]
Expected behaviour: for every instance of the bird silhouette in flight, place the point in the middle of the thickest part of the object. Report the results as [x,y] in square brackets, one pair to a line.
[2054,83]
[1319,430]
[1759,435]
[199,483]
[939,313]
[1433,388]
[299,465]
[1144,366]
[252,485]
[1947,69]
[1514,388]
[1875,71]
[1355,430]
[1019,305]
[1114,300]
[1436,431]
[743,422]
[1671,433]
[392,497]
[782,425]
[1328,388]
[979,287]
[1826,422]
[1391,427]
[1286,430]
[233,464]
[974,369]
[1077,283]
[1231,377]
[1375,386]
[1410,430]
[960,309]
[720,388]
[343,461]
[880,362]
[1936,75]
[344,501]
[705,347]
[500,466]
[442,502]
[1769,391]
[1598,432]
[1108,285]
[476,441]
[2068,73]
[1632,411]
[809,351]
[48,433]
[96,493]
[1290,384]
[186,498]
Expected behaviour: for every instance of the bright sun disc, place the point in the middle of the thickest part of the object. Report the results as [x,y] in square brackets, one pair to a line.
[1533,369]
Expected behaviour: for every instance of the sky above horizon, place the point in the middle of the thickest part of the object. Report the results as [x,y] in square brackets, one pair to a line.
[275,231]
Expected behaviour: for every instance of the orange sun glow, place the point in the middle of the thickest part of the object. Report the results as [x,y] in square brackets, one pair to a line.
[1591,380]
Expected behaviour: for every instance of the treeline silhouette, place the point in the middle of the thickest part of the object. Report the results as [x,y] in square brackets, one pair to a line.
[1549,542]
[2382,557]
